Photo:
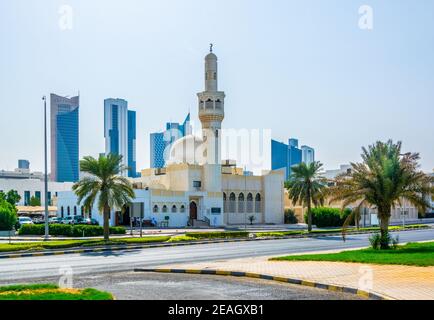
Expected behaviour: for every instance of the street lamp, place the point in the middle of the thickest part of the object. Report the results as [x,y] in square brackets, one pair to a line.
[44,98]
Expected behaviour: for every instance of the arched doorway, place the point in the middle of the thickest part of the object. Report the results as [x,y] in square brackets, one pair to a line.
[193,210]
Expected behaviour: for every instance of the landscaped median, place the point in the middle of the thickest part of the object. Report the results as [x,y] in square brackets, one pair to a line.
[51,292]
[76,246]
[411,254]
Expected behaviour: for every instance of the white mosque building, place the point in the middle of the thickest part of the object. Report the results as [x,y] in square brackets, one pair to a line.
[197,188]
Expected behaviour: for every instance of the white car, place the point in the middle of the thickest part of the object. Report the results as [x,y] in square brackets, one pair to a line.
[24,220]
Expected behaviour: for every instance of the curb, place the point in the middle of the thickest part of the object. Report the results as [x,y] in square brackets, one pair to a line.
[312,284]
[11,255]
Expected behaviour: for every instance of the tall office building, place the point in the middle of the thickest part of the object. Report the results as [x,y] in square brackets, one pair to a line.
[307,154]
[23,164]
[160,141]
[120,132]
[64,138]
[284,156]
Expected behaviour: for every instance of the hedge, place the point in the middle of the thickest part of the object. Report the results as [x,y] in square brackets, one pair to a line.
[68,230]
[213,235]
[324,217]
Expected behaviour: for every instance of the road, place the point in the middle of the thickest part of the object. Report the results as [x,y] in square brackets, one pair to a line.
[157,286]
[20,269]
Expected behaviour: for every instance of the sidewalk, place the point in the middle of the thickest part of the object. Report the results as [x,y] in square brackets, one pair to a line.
[397,282]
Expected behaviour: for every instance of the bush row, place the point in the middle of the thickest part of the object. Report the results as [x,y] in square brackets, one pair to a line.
[324,217]
[214,235]
[68,230]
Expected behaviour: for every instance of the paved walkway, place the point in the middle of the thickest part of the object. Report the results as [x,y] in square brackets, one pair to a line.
[396,282]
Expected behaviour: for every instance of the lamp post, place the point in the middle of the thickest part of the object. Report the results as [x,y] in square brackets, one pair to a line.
[44,98]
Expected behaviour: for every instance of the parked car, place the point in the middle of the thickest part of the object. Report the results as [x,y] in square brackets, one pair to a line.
[23,220]
[38,221]
[55,220]
[67,220]
[92,222]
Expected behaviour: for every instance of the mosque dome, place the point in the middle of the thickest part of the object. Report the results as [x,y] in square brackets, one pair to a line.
[188,149]
[211,56]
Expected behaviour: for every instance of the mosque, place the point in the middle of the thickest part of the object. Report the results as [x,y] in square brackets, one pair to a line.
[198,188]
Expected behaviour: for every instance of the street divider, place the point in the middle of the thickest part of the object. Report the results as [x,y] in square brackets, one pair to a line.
[194,238]
[312,284]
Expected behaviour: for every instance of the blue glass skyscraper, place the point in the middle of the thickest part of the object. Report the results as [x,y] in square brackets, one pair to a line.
[285,156]
[132,165]
[64,138]
[120,133]
[160,141]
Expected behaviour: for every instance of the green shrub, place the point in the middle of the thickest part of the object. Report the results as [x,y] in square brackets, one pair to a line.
[8,216]
[383,242]
[324,217]
[290,217]
[67,230]
[31,229]
[118,230]
[213,235]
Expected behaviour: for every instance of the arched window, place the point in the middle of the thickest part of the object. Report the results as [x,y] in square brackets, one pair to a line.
[75,210]
[232,202]
[82,211]
[68,211]
[182,209]
[61,212]
[225,202]
[174,209]
[258,203]
[155,210]
[164,209]
[249,203]
[241,203]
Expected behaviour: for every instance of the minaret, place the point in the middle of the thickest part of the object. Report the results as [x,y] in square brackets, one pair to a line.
[211,115]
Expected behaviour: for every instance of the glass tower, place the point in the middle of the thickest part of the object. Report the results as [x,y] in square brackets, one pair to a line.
[285,156]
[120,133]
[160,141]
[64,138]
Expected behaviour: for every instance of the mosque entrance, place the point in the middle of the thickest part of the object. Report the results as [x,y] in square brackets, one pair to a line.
[193,210]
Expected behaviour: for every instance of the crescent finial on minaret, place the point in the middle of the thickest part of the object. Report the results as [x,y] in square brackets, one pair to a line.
[210,47]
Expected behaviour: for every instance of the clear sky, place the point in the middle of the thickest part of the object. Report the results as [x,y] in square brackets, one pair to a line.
[301,68]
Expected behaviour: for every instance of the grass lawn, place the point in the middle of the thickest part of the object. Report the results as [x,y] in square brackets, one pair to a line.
[412,254]
[65,244]
[50,292]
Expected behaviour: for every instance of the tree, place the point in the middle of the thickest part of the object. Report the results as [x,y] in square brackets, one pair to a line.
[13,197]
[382,181]
[35,202]
[105,184]
[8,216]
[307,187]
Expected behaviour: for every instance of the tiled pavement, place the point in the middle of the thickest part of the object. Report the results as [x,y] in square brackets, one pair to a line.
[397,282]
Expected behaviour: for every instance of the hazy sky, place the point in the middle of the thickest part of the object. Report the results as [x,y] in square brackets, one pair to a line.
[301,68]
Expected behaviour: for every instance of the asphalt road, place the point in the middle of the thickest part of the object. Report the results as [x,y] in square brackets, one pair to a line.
[157,286]
[20,269]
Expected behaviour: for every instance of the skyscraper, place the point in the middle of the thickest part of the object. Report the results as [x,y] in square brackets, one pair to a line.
[159,141]
[308,154]
[23,164]
[120,132]
[285,155]
[64,138]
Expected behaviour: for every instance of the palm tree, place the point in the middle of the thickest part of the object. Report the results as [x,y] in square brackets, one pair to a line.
[104,183]
[382,181]
[307,187]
